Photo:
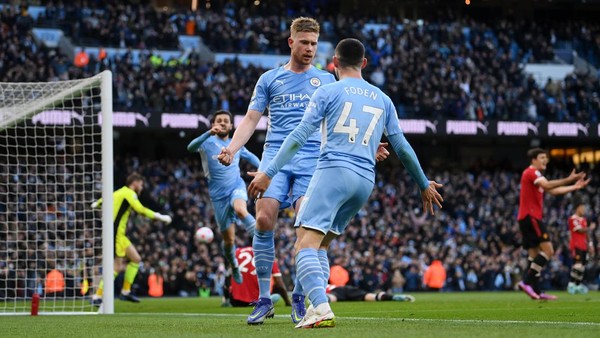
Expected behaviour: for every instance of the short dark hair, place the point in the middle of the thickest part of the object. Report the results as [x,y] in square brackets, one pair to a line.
[350,53]
[134,177]
[533,153]
[221,112]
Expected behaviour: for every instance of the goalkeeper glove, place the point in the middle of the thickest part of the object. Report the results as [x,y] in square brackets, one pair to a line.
[95,205]
[163,218]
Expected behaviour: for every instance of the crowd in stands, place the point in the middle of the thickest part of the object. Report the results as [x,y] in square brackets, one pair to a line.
[467,70]
[388,246]
[227,26]
[457,68]
[390,243]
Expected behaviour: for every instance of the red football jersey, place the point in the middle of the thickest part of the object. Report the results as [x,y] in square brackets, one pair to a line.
[248,290]
[531,198]
[578,239]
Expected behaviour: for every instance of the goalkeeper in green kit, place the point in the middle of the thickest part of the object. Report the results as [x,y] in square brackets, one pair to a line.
[124,200]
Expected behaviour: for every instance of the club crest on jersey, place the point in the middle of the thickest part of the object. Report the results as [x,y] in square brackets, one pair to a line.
[315,82]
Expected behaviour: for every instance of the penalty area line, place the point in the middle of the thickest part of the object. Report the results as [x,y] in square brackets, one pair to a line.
[431,320]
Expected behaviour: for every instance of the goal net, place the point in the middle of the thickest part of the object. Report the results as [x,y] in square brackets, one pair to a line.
[55,160]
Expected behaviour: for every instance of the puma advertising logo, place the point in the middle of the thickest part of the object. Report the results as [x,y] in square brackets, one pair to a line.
[184,121]
[418,126]
[516,128]
[571,129]
[465,127]
[57,117]
[128,119]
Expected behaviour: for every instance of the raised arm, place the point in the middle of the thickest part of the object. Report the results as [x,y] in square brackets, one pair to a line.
[136,205]
[197,142]
[548,185]
[561,190]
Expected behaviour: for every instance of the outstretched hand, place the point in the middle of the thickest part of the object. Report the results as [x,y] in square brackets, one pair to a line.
[576,176]
[259,184]
[225,157]
[582,183]
[163,218]
[431,196]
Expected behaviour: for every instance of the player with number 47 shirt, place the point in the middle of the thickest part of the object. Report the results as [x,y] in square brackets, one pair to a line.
[353,115]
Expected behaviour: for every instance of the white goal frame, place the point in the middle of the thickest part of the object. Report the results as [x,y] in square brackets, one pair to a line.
[11,115]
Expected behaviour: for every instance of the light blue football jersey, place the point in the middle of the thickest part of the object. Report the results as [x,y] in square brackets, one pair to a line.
[285,95]
[353,116]
[222,180]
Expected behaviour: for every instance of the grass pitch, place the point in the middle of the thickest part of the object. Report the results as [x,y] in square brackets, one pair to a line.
[502,314]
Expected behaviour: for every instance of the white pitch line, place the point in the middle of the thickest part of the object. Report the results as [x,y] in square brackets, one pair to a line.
[459,321]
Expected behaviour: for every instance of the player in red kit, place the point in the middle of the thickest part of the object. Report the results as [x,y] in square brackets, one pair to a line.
[535,237]
[247,292]
[578,245]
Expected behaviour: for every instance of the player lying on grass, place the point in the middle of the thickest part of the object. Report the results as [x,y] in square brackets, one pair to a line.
[348,293]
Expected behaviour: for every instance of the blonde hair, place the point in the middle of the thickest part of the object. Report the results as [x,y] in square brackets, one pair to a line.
[304,24]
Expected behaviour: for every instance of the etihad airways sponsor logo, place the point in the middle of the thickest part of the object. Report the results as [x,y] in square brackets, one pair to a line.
[465,127]
[418,126]
[516,128]
[569,129]
[285,98]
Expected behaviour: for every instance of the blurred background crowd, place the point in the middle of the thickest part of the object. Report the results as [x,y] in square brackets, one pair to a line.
[446,66]
[388,246]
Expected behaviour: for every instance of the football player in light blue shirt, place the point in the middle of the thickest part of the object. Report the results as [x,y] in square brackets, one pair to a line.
[353,115]
[226,187]
[284,92]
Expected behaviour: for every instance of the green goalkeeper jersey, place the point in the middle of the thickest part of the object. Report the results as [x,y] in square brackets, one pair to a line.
[124,200]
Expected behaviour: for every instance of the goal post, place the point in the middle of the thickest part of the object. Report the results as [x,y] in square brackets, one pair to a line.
[56,159]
